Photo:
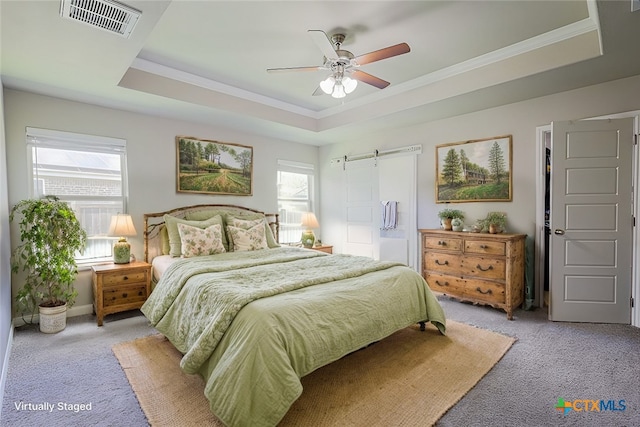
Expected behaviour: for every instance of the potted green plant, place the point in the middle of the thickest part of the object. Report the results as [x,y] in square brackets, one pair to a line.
[446,215]
[496,222]
[50,235]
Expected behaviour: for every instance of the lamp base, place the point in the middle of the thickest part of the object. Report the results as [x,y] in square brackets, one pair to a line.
[308,238]
[121,252]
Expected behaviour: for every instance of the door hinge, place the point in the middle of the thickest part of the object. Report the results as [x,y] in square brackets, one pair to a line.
[632,302]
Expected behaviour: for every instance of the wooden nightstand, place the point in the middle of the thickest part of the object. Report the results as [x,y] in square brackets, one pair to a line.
[120,287]
[324,248]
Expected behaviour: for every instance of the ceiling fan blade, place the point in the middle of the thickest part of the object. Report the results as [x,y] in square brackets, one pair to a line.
[385,53]
[322,41]
[369,79]
[278,70]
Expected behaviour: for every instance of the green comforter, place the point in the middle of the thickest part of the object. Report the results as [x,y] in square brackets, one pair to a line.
[253,323]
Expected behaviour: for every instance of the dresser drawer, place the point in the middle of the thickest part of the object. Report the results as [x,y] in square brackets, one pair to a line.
[125,294]
[443,243]
[484,247]
[445,284]
[486,268]
[485,291]
[442,262]
[114,279]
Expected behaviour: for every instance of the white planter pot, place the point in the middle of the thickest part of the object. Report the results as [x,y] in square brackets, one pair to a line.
[53,319]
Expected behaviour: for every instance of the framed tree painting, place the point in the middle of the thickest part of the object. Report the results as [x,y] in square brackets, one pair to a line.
[213,167]
[474,171]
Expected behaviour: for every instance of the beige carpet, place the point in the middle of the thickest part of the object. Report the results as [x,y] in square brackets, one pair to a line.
[408,379]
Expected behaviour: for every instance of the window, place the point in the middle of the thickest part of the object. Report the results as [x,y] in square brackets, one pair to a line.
[295,196]
[88,172]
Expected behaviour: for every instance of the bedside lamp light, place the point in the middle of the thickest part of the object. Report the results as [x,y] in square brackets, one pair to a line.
[121,226]
[309,222]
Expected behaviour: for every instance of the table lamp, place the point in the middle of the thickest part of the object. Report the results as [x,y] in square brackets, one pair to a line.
[309,222]
[121,226]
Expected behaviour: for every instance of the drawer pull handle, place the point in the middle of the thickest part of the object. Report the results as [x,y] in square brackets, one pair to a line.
[442,243]
[442,263]
[483,246]
[479,267]
[125,278]
[440,284]
[488,292]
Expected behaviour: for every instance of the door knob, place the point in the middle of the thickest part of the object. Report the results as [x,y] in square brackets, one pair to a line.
[558,231]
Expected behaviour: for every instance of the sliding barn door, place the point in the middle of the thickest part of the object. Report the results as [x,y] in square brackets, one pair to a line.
[361,185]
[369,182]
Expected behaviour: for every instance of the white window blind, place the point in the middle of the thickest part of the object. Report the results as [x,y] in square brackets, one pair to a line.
[88,172]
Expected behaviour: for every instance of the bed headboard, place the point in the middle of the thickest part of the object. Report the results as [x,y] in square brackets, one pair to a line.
[153,223]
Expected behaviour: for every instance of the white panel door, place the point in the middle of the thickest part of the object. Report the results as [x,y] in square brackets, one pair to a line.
[591,221]
[361,192]
[397,176]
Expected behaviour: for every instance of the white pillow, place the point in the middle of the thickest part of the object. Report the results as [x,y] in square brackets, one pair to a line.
[248,240]
[196,241]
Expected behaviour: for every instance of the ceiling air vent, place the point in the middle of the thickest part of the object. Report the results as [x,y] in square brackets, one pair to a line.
[107,15]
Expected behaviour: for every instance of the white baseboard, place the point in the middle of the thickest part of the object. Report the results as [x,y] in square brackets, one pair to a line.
[76,310]
[5,366]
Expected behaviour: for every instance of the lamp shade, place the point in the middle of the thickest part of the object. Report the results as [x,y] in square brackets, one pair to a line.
[309,220]
[121,226]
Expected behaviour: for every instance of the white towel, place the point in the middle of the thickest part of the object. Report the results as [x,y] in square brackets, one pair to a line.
[389,212]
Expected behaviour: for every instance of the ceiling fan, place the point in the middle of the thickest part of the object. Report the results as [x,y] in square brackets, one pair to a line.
[344,65]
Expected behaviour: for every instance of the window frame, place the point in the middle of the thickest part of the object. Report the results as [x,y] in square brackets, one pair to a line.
[301,168]
[62,140]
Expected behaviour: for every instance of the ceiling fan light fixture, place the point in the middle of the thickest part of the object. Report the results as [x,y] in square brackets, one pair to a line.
[349,84]
[327,85]
[338,91]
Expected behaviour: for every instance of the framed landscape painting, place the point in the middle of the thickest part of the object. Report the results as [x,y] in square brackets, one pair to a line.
[474,171]
[213,167]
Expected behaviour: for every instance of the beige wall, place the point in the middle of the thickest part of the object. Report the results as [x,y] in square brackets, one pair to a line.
[519,120]
[151,156]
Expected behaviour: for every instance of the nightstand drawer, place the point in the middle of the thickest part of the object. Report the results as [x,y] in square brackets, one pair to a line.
[125,294]
[114,279]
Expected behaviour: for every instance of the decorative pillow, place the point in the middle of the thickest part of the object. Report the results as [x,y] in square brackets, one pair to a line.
[175,244]
[248,240]
[197,241]
[249,221]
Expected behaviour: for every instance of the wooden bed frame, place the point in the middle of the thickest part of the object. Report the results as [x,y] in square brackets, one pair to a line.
[153,223]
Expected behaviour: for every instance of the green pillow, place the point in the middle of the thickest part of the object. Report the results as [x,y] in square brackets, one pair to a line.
[164,241]
[175,244]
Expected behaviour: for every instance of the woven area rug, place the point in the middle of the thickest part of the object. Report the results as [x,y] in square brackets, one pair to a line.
[410,378]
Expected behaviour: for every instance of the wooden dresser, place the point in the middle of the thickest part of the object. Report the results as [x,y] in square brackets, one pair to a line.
[477,267]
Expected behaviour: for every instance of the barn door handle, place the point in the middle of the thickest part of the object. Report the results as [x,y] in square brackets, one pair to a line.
[558,232]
